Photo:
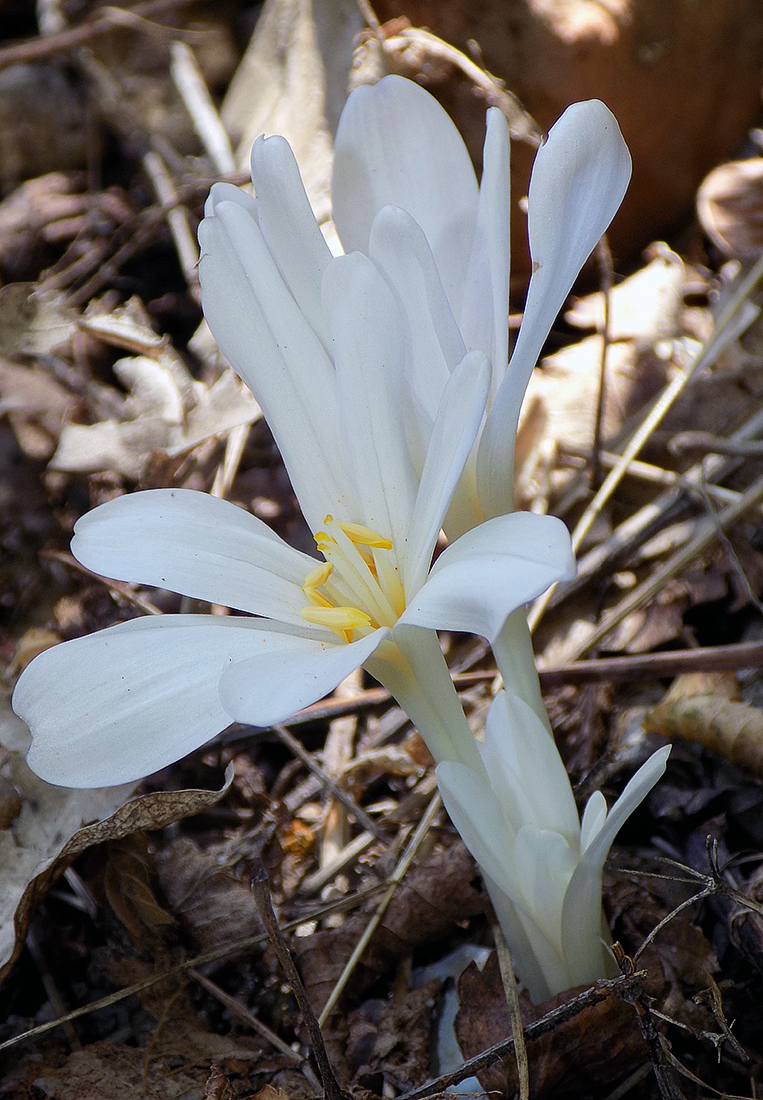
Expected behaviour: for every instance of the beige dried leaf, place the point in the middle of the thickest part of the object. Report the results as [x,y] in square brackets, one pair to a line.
[293,81]
[703,713]
[730,208]
[156,418]
[644,307]
[55,824]
[32,321]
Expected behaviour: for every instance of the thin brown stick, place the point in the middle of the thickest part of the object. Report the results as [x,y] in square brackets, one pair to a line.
[261,894]
[604,988]
[39,49]
[241,1012]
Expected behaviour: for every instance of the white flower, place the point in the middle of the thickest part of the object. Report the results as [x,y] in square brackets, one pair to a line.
[324,344]
[543,868]
[405,194]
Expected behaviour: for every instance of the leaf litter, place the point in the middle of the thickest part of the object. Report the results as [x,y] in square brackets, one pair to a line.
[109,382]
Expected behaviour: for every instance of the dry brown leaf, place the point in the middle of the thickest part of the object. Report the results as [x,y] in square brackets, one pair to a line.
[35,404]
[732,729]
[730,208]
[128,887]
[569,1062]
[50,830]
[205,894]
[154,419]
[434,895]
[293,81]
[32,321]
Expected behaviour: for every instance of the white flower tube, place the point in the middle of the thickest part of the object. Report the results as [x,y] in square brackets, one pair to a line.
[543,868]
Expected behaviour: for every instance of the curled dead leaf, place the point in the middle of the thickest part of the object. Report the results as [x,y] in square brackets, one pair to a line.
[730,208]
[32,321]
[724,725]
[49,831]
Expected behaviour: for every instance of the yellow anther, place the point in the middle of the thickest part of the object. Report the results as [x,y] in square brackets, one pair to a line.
[321,536]
[336,618]
[365,536]
[319,575]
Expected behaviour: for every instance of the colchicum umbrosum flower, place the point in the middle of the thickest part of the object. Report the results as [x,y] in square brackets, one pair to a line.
[383,376]
[324,343]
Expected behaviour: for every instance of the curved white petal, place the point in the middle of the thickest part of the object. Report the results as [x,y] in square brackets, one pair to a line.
[545,863]
[473,809]
[490,572]
[262,332]
[395,145]
[197,545]
[401,251]
[289,227]
[114,706]
[456,424]
[485,311]
[578,182]
[526,770]
[634,794]
[594,816]
[289,673]
[228,192]
[368,337]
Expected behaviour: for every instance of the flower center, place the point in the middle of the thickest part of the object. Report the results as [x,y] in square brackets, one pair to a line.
[357,588]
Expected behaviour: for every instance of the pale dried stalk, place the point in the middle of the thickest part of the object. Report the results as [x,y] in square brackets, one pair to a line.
[730,324]
[396,878]
[190,83]
[707,530]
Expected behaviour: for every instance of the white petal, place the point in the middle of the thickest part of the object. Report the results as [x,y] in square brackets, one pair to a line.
[473,809]
[368,341]
[262,332]
[485,311]
[525,768]
[584,931]
[594,816]
[197,545]
[490,572]
[122,703]
[396,146]
[578,182]
[288,674]
[228,192]
[455,429]
[401,251]
[634,794]
[289,227]
[545,864]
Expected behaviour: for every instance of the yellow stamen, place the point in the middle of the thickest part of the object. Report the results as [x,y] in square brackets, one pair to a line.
[318,576]
[336,618]
[364,536]
[316,598]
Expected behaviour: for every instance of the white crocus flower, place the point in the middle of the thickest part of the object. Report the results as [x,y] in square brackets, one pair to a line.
[323,343]
[405,194]
[542,866]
